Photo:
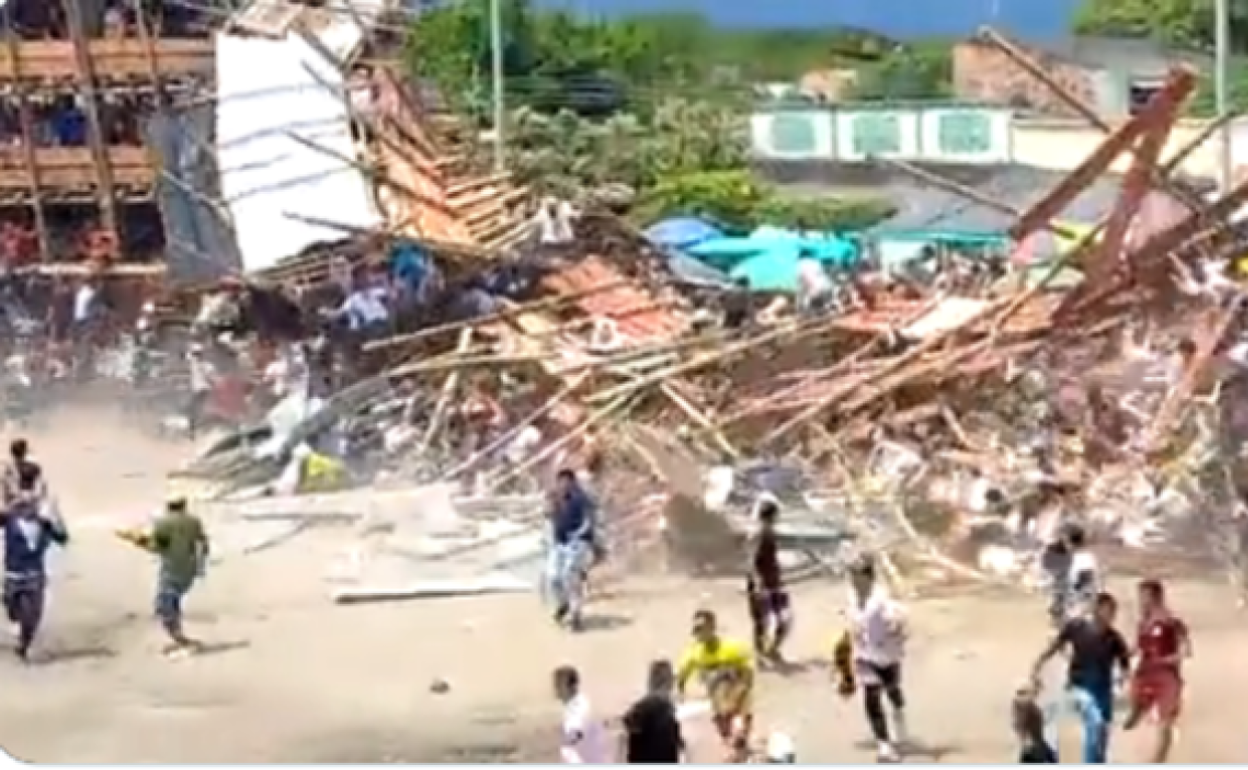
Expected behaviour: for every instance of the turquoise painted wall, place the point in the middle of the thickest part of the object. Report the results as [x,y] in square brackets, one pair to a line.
[931,133]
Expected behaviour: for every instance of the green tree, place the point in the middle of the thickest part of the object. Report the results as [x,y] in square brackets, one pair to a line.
[1182,23]
[918,71]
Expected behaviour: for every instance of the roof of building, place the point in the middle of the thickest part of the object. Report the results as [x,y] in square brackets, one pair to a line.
[927,209]
[1139,56]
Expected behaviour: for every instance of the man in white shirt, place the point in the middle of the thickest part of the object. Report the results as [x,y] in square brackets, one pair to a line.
[814,285]
[85,305]
[877,633]
[555,222]
[584,740]
[365,309]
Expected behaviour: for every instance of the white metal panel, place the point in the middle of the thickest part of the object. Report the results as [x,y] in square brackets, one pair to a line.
[267,91]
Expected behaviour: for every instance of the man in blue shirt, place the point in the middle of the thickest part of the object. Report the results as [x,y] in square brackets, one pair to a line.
[572,522]
[28,534]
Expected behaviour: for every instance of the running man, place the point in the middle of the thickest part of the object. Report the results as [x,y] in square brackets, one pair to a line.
[1162,643]
[652,734]
[870,654]
[29,531]
[771,611]
[572,521]
[1095,648]
[584,739]
[726,669]
[179,541]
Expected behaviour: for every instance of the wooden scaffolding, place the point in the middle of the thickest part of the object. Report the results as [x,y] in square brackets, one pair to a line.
[74,203]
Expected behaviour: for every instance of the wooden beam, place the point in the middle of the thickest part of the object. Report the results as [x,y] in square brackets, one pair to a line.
[1051,205]
[1213,331]
[28,134]
[1159,114]
[1042,76]
[95,130]
[162,109]
[1161,245]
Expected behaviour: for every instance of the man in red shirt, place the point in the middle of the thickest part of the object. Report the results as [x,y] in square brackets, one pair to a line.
[1157,682]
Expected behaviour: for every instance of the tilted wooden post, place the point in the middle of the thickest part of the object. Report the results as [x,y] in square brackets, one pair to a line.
[90,107]
[28,140]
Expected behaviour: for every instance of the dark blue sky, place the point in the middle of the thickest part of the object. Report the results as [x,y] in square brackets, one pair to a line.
[1032,19]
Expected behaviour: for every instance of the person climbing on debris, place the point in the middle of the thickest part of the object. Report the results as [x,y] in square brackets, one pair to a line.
[30,528]
[738,305]
[572,520]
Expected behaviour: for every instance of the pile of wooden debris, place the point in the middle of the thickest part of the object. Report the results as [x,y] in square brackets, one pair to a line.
[610,366]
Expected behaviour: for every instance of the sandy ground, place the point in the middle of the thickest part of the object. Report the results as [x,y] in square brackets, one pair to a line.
[298,680]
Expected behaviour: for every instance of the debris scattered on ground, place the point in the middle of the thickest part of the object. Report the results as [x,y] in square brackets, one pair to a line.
[948,420]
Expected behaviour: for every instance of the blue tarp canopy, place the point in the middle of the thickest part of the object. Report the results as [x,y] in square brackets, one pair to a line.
[694,272]
[768,257]
[681,232]
[773,270]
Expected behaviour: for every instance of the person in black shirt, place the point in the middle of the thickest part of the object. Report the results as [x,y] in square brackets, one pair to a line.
[770,607]
[1095,647]
[651,729]
[738,305]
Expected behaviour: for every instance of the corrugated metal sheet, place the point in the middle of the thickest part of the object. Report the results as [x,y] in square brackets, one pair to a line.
[277,188]
[199,243]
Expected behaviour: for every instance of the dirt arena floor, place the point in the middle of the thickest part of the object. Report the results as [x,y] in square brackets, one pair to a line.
[295,679]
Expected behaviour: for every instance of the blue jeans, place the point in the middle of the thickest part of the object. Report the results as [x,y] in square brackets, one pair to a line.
[169,596]
[1095,708]
[565,573]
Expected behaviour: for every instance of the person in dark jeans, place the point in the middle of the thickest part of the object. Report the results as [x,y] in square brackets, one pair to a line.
[652,733]
[1095,647]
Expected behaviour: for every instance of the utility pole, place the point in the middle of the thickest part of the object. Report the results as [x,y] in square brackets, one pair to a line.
[1222,55]
[496,77]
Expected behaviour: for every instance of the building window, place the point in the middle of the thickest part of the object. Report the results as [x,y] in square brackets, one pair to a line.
[1140,94]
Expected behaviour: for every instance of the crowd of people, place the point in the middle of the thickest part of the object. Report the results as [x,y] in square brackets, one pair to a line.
[43,20]
[868,657]
[716,674]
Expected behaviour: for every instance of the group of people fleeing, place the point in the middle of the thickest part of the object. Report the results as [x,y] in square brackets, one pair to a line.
[868,660]
[32,526]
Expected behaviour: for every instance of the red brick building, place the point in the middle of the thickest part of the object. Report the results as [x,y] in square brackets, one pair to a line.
[1113,76]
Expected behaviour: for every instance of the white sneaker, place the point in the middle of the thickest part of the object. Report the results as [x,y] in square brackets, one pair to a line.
[887,753]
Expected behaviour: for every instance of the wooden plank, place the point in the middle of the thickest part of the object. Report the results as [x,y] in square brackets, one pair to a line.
[1160,114]
[28,143]
[1160,177]
[95,132]
[1096,164]
[72,168]
[112,59]
[119,269]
